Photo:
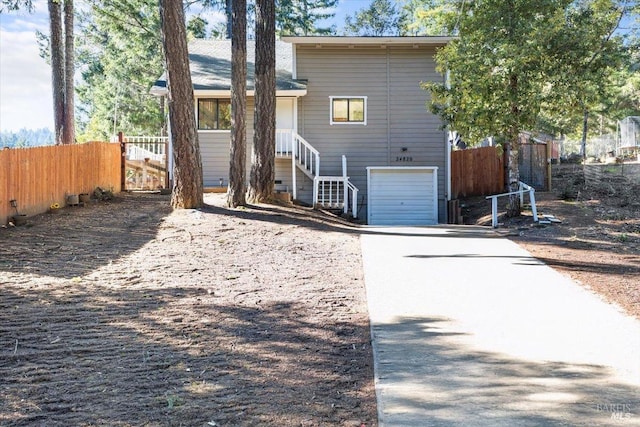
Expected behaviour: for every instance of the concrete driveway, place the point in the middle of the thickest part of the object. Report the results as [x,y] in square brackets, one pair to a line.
[470,330]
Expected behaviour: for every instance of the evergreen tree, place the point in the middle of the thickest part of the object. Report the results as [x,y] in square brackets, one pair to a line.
[427,17]
[496,71]
[120,55]
[187,170]
[69,125]
[299,17]
[238,145]
[591,57]
[56,52]
[381,18]
[512,59]
[12,5]
[262,178]
[197,27]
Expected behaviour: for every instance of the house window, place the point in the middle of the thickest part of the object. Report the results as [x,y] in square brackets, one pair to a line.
[349,109]
[214,114]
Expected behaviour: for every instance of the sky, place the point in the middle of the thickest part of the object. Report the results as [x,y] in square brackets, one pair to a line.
[25,78]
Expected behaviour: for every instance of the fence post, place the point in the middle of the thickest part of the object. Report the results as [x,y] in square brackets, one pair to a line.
[123,159]
[549,171]
[494,212]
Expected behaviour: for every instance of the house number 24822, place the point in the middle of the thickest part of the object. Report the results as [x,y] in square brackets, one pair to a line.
[404,159]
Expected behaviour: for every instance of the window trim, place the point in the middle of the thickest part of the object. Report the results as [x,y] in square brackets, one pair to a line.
[332,98]
[217,99]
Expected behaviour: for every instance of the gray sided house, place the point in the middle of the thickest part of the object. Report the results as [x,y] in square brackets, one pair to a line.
[353,130]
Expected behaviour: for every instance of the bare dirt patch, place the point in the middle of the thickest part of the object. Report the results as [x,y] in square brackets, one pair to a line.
[124,313]
[598,241]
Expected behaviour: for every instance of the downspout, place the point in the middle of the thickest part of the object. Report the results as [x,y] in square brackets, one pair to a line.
[447,83]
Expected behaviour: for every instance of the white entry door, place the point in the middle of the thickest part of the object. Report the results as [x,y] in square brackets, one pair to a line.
[284,113]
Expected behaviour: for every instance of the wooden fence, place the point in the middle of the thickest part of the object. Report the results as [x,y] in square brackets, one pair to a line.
[476,172]
[38,177]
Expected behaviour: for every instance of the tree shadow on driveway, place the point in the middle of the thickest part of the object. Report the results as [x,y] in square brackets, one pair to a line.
[429,377]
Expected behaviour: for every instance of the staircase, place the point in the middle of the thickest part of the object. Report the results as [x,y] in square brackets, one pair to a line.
[329,192]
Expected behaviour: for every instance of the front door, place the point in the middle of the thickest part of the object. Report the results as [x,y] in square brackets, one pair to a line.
[284,113]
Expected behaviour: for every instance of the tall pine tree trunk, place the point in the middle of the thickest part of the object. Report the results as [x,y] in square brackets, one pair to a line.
[262,178]
[237,163]
[57,68]
[187,171]
[68,131]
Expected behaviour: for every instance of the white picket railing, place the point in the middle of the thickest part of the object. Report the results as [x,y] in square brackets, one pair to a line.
[522,188]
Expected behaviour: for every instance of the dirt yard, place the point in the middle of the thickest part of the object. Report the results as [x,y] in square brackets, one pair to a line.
[598,241]
[124,313]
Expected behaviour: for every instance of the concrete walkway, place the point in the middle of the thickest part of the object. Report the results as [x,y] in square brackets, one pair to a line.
[470,330]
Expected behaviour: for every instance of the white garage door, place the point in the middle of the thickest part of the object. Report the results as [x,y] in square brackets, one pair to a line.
[402,195]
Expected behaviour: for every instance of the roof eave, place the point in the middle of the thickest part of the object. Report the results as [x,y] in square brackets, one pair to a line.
[199,93]
[363,41]
[158,91]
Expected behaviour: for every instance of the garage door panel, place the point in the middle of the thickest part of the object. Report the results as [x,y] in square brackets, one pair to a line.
[402,196]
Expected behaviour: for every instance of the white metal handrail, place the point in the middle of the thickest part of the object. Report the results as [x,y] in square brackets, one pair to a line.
[523,188]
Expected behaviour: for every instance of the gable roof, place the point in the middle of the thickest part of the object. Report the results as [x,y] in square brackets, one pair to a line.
[210,64]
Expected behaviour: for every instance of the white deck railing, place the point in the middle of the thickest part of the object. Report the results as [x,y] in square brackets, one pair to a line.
[284,142]
[146,150]
[333,191]
[523,188]
[148,139]
[145,147]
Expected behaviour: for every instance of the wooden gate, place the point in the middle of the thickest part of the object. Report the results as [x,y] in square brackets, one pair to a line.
[144,163]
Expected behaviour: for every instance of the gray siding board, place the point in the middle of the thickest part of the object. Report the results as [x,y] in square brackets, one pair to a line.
[397,115]
[214,150]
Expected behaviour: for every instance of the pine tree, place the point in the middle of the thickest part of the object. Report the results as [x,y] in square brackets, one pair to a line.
[238,150]
[187,171]
[299,17]
[262,178]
